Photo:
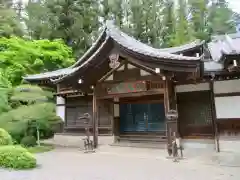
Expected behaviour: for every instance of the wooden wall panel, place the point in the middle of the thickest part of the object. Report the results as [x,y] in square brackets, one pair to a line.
[195,114]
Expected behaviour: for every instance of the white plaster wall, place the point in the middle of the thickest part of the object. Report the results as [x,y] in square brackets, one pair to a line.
[192,87]
[226,86]
[227,107]
[60,108]
[60,100]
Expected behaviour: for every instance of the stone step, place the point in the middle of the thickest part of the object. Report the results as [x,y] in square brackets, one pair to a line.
[160,145]
[142,138]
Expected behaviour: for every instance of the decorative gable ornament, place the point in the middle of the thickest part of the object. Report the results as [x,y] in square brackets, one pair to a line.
[114,60]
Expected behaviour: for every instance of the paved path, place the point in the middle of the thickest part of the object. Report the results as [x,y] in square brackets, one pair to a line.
[111,163]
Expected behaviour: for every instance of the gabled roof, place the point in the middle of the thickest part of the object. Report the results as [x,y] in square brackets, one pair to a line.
[129,46]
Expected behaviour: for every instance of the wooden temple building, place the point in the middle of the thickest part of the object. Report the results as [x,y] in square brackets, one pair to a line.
[128,88]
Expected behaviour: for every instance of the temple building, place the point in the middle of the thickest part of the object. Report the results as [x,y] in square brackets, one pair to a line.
[128,88]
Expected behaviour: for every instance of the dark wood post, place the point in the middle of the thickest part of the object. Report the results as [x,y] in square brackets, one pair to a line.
[166,105]
[170,104]
[214,118]
[95,119]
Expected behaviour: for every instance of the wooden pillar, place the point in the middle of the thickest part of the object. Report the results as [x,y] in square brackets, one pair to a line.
[95,119]
[170,102]
[214,117]
[116,119]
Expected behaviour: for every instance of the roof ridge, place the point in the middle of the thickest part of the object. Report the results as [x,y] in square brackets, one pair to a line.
[135,45]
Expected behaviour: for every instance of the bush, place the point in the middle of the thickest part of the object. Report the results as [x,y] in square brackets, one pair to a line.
[29,141]
[19,122]
[16,157]
[5,138]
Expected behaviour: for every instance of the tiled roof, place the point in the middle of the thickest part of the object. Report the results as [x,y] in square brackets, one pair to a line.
[128,42]
[139,47]
[62,72]
[183,48]
[224,45]
[50,74]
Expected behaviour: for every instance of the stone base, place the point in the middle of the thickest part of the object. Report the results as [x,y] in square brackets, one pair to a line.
[229,144]
[203,144]
[74,141]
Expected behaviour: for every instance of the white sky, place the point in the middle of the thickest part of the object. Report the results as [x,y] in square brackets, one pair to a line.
[235,5]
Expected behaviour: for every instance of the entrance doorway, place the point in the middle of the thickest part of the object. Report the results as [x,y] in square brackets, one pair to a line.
[142,117]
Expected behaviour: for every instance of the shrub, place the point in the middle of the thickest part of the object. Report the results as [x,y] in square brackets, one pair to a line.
[29,141]
[5,138]
[18,122]
[16,157]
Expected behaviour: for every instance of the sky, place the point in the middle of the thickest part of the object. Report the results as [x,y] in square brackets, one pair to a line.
[235,5]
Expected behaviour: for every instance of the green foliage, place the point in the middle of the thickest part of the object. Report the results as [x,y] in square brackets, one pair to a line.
[5,138]
[30,94]
[73,21]
[19,57]
[5,91]
[16,157]
[33,110]
[29,141]
[9,22]
[221,18]
[18,122]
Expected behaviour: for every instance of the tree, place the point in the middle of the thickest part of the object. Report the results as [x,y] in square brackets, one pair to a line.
[169,23]
[182,34]
[199,15]
[37,20]
[9,22]
[74,21]
[19,57]
[221,18]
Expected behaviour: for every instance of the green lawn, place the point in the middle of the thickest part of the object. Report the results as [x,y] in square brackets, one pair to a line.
[40,149]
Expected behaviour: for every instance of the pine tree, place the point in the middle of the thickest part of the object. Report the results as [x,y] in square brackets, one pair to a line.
[74,21]
[199,14]
[221,18]
[9,21]
[168,29]
[182,33]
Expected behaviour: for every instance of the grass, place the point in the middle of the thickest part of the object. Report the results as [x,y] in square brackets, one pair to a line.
[40,149]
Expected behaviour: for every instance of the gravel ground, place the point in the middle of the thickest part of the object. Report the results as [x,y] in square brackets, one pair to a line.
[115,163]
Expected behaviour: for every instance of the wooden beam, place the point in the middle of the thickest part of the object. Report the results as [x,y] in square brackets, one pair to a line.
[135,94]
[111,72]
[140,66]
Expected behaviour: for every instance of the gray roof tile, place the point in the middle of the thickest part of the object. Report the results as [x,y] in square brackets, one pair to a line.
[139,47]
[124,40]
[50,74]
[224,45]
